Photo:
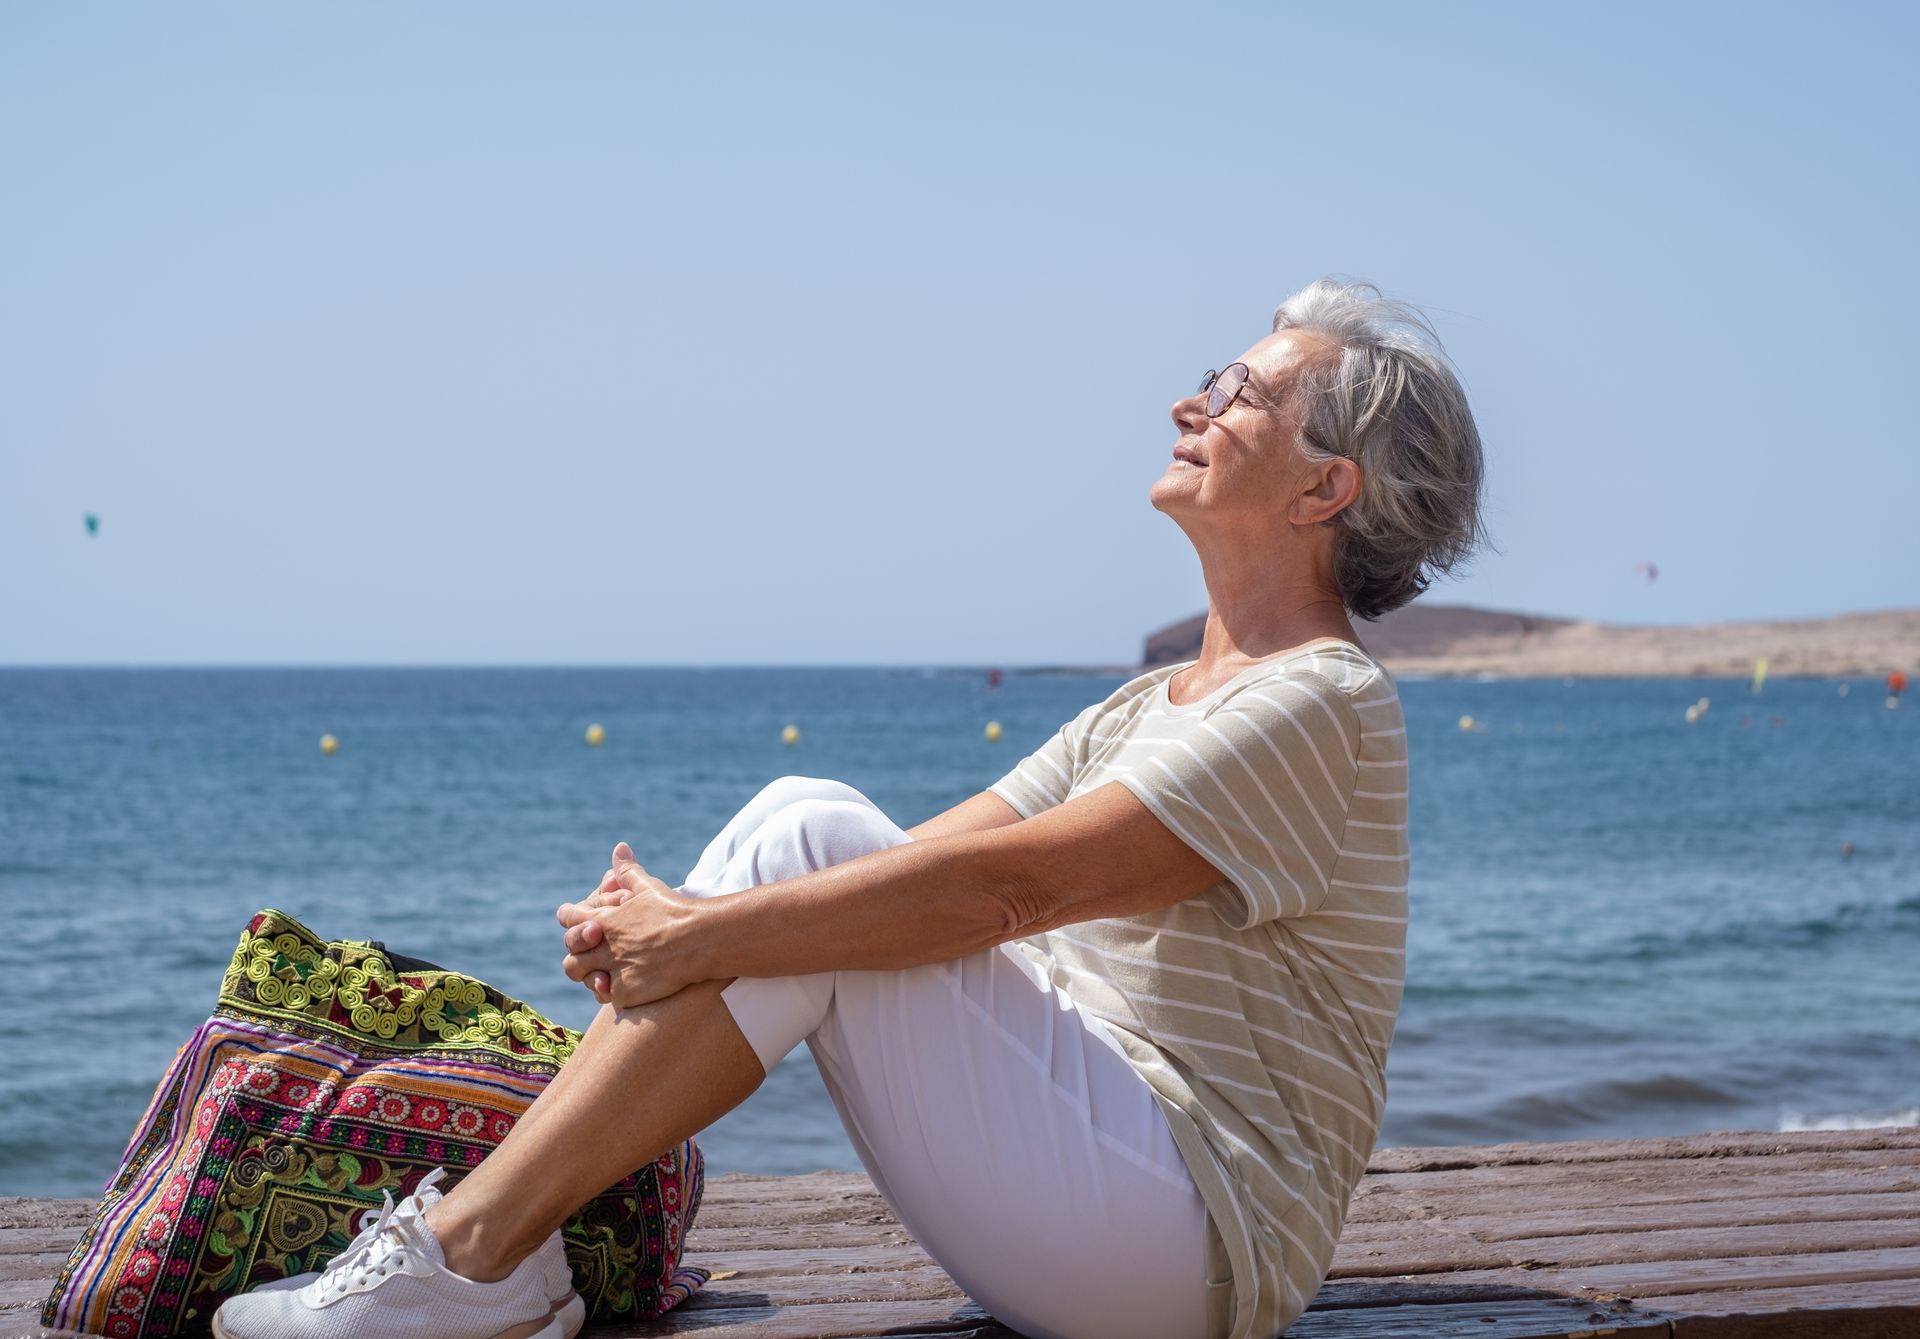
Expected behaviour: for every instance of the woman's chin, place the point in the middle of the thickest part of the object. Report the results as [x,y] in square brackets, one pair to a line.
[1179,484]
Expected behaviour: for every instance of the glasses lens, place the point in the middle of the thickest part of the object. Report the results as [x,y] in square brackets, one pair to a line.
[1225,387]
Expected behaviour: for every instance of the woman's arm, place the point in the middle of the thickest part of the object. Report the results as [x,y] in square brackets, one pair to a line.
[977,814]
[1103,854]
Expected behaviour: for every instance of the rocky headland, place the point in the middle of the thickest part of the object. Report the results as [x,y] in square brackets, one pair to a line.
[1461,640]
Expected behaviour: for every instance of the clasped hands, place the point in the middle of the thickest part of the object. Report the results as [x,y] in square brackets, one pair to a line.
[627,941]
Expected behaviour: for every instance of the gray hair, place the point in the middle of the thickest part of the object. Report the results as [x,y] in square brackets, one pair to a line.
[1389,401]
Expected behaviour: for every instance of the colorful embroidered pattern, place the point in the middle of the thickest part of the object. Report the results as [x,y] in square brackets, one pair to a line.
[328,1074]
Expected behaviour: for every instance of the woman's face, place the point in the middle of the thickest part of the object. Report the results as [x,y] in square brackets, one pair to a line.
[1244,464]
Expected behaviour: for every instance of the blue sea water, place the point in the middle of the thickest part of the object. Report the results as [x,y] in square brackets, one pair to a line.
[1623,924]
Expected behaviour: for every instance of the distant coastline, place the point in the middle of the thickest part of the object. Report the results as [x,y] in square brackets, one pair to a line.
[1462,641]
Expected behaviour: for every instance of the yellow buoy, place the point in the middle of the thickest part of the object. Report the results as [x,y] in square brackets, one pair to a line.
[329,745]
[596,734]
[1693,713]
[993,731]
[1468,723]
[790,735]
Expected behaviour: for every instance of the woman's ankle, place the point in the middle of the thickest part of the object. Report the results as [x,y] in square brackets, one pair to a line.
[474,1247]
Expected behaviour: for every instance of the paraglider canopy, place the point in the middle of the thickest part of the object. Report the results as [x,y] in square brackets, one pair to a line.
[1647,570]
[93,524]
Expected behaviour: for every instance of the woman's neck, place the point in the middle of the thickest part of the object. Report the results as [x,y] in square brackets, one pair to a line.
[1238,634]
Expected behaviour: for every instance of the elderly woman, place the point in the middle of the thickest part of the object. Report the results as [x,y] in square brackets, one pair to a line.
[1109,1036]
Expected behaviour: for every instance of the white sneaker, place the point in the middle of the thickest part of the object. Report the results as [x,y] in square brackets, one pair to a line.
[393,1283]
[424,1197]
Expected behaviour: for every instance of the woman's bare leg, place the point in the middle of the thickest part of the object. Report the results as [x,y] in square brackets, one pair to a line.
[644,1079]
[641,1081]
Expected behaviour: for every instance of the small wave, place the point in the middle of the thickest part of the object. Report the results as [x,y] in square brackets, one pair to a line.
[22,867]
[1848,918]
[1572,1110]
[1848,1120]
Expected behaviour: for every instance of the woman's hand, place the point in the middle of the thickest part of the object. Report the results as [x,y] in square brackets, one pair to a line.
[610,893]
[628,941]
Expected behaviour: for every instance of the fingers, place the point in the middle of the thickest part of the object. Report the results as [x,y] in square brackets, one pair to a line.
[634,880]
[608,897]
[588,959]
[572,913]
[578,966]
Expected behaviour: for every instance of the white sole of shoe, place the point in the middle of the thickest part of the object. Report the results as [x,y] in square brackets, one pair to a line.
[563,1322]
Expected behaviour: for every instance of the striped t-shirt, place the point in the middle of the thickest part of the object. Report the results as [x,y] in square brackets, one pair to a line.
[1261,1010]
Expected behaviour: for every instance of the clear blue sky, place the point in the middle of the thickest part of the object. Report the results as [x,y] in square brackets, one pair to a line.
[486,332]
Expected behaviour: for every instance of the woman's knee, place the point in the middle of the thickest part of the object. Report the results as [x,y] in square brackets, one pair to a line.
[783,791]
[815,833]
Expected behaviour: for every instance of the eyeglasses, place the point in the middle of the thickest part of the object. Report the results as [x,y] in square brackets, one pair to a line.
[1223,388]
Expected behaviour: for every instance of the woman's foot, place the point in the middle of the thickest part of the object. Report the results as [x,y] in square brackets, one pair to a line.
[393,1283]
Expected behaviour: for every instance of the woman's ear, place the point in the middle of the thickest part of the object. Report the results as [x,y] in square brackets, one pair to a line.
[1327,489]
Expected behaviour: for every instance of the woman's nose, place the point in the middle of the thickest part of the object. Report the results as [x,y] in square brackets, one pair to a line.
[1189,415]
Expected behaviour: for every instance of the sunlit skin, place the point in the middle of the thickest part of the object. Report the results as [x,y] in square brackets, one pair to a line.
[663,1059]
[1257,512]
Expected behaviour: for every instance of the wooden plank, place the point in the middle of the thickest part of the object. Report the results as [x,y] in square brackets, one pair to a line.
[1527,1219]
[1899,1266]
[1667,1245]
[758,1187]
[38,1270]
[35,1211]
[809,1235]
[781,1288]
[36,1240]
[828,1320]
[1720,1144]
[1657,1279]
[1359,1295]
[1849,1311]
[1899,1167]
[26,1294]
[1807,1230]
[837,1209]
[774,1259]
[1538,1318]
[1631,1183]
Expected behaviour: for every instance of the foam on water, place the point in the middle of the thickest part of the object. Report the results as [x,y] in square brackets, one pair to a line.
[1794,1120]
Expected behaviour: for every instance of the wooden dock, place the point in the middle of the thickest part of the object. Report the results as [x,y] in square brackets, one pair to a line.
[1725,1236]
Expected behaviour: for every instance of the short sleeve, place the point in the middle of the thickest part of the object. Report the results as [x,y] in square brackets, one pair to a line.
[1260,787]
[1044,777]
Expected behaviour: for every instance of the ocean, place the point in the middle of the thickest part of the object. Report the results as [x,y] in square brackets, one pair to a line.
[1624,924]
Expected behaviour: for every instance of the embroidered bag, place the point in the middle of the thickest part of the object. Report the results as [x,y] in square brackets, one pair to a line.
[328,1073]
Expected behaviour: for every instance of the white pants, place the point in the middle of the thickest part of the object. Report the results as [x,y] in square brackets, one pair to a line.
[1005,1129]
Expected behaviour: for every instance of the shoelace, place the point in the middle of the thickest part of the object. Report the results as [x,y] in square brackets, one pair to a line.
[380,1249]
[374,1216]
